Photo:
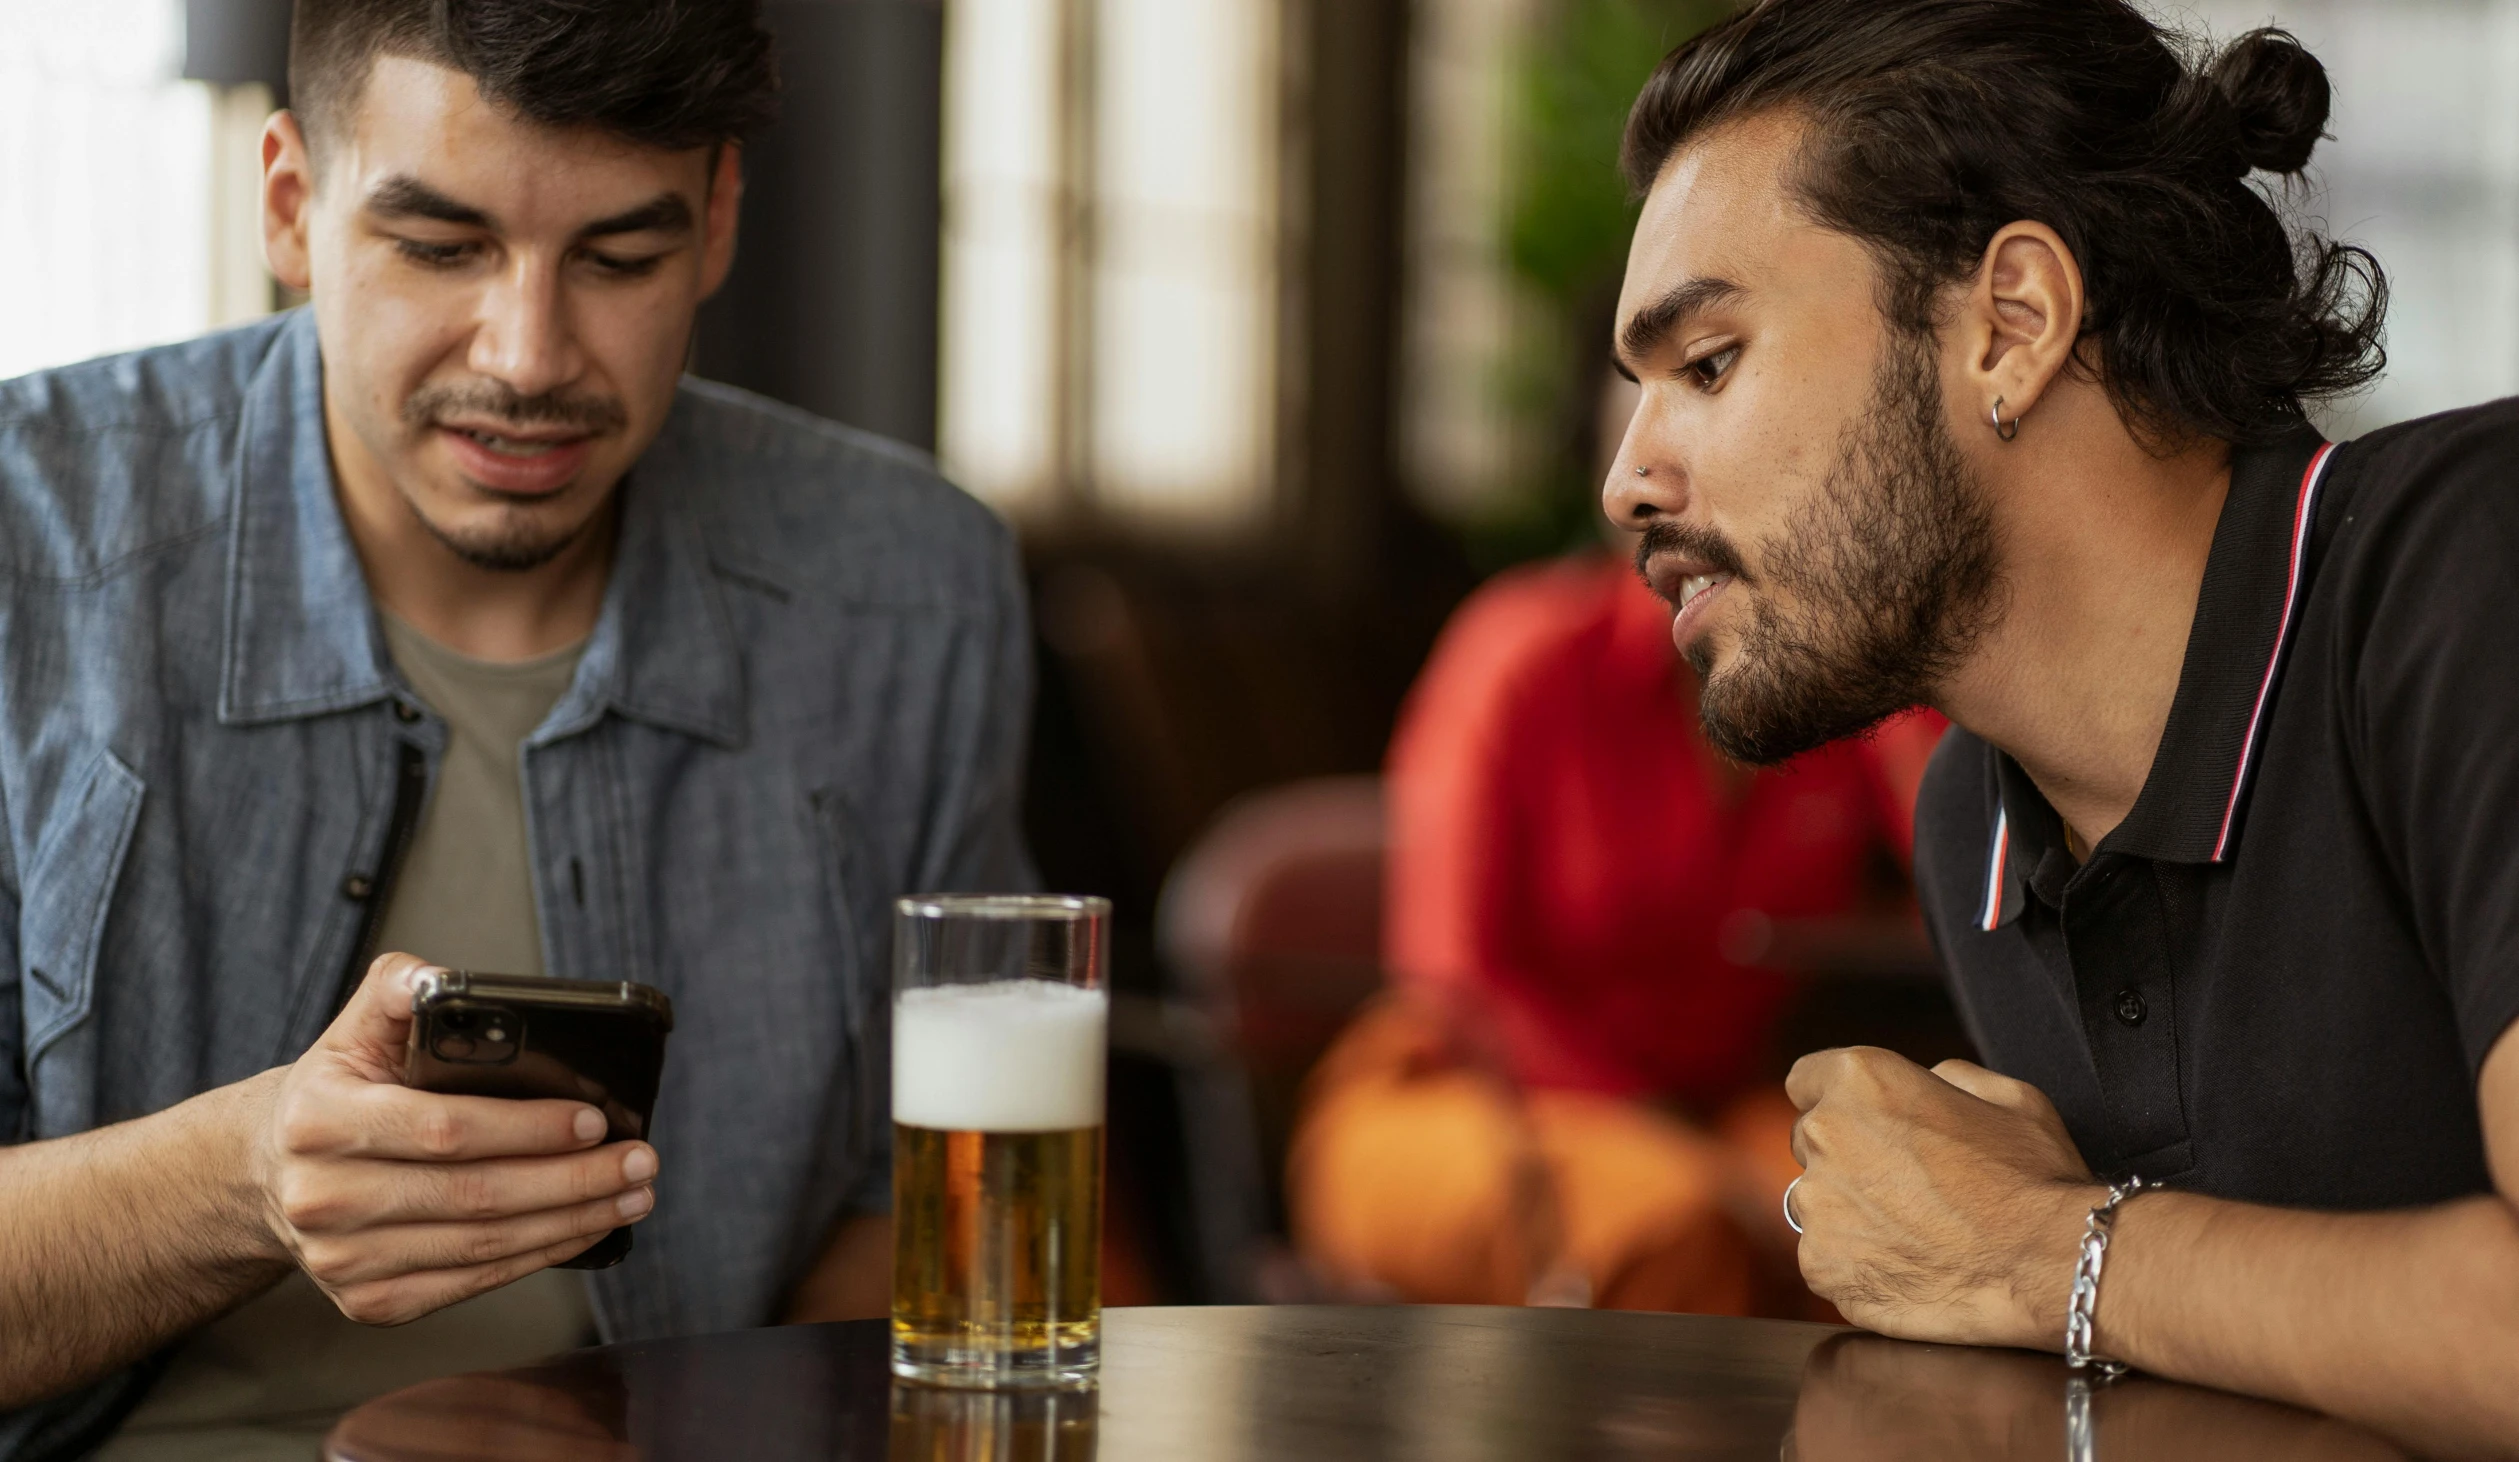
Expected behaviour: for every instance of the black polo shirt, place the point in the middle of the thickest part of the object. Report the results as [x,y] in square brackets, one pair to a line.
[2277,980]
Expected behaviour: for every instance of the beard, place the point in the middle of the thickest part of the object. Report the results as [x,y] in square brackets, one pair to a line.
[519,539]
[1891,574]
[515,544]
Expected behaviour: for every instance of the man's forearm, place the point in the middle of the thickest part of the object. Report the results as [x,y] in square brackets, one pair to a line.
[2408,1321]
[115,1241]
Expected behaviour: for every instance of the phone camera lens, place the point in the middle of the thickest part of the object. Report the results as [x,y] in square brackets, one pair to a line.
[479,1035]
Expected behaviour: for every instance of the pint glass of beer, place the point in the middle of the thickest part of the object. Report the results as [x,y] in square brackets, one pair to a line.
[998,1030]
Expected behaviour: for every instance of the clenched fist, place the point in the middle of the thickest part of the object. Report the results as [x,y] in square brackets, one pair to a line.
[1936,1205]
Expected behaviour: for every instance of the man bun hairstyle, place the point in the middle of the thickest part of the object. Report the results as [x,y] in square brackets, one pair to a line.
[2272,95]
[1934,123]
[672,74]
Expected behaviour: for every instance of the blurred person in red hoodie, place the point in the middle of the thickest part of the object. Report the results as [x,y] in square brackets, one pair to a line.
[1569,1096]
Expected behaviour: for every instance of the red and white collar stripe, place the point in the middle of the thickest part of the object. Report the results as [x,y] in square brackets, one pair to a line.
[1991,915]
[2304,514]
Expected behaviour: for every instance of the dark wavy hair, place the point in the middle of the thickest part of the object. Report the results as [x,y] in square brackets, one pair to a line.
[1937,122]
[672,74]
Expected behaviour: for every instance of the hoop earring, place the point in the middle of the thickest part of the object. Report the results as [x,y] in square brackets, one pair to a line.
[2002,429]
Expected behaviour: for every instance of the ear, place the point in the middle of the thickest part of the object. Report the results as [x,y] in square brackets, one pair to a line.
[725,207]
[288,201]
[2022,318]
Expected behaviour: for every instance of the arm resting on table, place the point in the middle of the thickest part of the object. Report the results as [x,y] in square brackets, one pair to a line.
[1951,1210]
[2407,1320]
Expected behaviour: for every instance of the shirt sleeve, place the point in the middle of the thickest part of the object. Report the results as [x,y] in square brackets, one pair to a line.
[67,1425]
[874,1186]
[2434,719]
[13,1099]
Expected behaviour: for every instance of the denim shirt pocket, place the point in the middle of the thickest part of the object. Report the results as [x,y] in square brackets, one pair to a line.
[69,887]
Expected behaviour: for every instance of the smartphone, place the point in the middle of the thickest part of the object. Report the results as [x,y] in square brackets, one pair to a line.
[593,1041]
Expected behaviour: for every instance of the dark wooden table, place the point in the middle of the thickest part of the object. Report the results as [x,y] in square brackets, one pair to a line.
[1312,1384]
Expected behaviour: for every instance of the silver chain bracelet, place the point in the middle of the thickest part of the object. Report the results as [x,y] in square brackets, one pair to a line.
[2078,1314]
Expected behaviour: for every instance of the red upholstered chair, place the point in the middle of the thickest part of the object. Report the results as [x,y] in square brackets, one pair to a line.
[1271,929]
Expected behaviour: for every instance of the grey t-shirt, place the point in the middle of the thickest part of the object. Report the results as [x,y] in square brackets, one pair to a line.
[464,896]
[265,1382]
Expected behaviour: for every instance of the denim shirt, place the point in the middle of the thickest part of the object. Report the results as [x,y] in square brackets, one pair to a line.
[805,695]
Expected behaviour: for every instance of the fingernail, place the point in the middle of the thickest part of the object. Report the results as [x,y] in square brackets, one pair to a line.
[640,1165]
[636,1202]
[590,1124]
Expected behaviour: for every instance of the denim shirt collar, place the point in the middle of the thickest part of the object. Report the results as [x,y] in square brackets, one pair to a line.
[301,635]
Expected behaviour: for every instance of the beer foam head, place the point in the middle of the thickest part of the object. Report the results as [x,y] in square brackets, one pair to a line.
[1006,1056]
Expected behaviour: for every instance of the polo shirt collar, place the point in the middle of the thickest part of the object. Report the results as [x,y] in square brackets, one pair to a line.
[2194,801]
[301,635]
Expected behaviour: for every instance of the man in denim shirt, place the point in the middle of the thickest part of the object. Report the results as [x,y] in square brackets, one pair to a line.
[799,690]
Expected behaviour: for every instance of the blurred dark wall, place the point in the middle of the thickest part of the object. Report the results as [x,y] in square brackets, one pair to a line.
[1350,106]
[236,42]
[832,303]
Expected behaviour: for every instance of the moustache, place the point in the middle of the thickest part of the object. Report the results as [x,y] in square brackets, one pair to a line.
[594,415]
[1667,537]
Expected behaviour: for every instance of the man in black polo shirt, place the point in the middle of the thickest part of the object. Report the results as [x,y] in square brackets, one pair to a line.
[1973,367]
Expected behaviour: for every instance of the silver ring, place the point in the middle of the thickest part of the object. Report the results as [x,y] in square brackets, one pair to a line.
[1790,1221]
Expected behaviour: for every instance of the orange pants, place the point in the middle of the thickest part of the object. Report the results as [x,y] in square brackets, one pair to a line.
[1417,1174]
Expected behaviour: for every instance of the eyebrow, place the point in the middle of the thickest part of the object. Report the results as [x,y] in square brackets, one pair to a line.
[404,196]
[665,213]
[1647,328]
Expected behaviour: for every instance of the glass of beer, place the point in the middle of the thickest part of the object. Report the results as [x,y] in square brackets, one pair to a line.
[999,1021]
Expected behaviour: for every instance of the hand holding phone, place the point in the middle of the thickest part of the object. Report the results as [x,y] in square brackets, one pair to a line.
[397,1201]
[524,1037]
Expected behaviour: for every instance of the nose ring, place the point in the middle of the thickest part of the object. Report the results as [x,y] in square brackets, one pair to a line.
[1790,1221]
[1644,472]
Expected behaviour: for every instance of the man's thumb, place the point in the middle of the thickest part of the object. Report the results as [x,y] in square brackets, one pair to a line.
[2003,1091]
[371,1030]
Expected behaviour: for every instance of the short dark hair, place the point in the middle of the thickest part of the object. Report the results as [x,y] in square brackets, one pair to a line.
[672,74]
[1937,122]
